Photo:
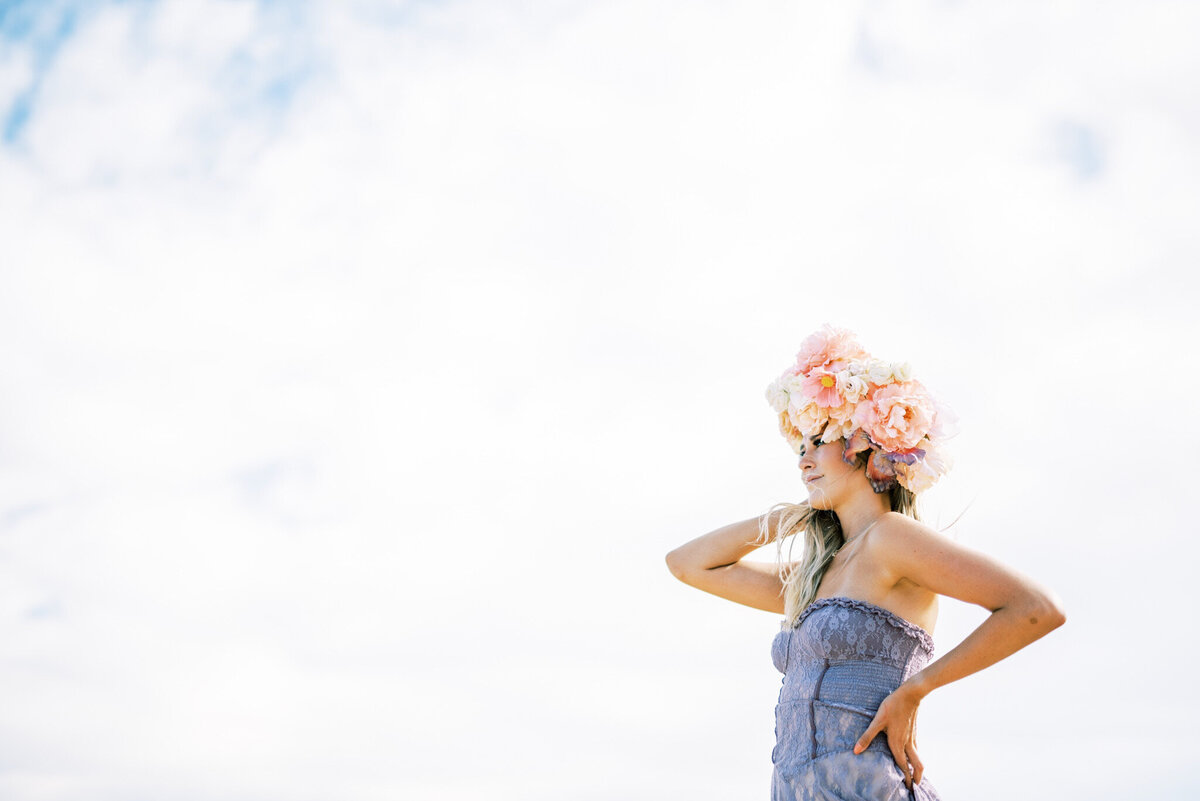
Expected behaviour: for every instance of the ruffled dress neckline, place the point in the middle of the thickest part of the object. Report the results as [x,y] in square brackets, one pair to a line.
[853,603]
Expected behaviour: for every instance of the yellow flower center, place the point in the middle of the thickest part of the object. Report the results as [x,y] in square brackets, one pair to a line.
[827,381]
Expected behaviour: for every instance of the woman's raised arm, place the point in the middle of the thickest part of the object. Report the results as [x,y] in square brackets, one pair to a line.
[713,563]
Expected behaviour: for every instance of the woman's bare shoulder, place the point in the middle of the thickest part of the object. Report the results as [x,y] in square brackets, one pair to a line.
[896,528]
[896,538]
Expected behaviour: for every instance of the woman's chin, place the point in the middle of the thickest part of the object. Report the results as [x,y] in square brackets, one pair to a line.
[817,499]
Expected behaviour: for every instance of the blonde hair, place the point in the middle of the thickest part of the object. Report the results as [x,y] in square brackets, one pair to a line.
[821,533]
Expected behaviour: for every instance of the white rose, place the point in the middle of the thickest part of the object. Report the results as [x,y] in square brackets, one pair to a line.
[777,395]
[853,388]
[879,371]
[902,371]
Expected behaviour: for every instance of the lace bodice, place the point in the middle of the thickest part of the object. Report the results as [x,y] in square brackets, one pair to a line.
[837,633]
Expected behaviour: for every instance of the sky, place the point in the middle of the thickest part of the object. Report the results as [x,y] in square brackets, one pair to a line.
[361,361]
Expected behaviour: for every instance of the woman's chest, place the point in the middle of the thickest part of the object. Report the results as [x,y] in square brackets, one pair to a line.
[841,630]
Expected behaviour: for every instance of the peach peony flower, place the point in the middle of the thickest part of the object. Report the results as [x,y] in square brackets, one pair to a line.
[806,415]
[837,429]
[896,416]
[828,345]
[794,436]
[841,422]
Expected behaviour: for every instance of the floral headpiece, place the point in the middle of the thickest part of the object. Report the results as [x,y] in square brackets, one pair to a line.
[836,390]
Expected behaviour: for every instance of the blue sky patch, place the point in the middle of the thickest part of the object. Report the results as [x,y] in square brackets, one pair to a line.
[250,82]
[1081,148]
[43,28]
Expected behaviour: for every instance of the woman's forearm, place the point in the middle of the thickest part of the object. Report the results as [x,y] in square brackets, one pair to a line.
[721,547]
[1006,631]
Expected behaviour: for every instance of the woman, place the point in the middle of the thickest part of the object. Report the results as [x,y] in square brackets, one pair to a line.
[858,606]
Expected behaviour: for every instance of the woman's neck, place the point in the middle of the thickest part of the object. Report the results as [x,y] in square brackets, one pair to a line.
[859,512]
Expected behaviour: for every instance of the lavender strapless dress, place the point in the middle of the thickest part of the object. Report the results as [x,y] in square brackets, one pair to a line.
[839,662]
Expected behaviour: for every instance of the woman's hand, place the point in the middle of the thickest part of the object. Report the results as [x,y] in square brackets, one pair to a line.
[897,715]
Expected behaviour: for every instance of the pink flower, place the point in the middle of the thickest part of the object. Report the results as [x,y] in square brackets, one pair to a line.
[896,416]
[828,345]
[822,387]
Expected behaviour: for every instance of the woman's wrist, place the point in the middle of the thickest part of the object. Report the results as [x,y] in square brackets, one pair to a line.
[918,685]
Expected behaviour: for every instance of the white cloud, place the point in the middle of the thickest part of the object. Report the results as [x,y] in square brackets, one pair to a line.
[360,363]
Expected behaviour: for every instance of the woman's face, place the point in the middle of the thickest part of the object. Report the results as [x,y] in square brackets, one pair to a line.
[827,477]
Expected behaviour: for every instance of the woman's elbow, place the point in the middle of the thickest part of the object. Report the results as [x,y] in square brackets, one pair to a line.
[676,565]
[1058,615]
[1045,609]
